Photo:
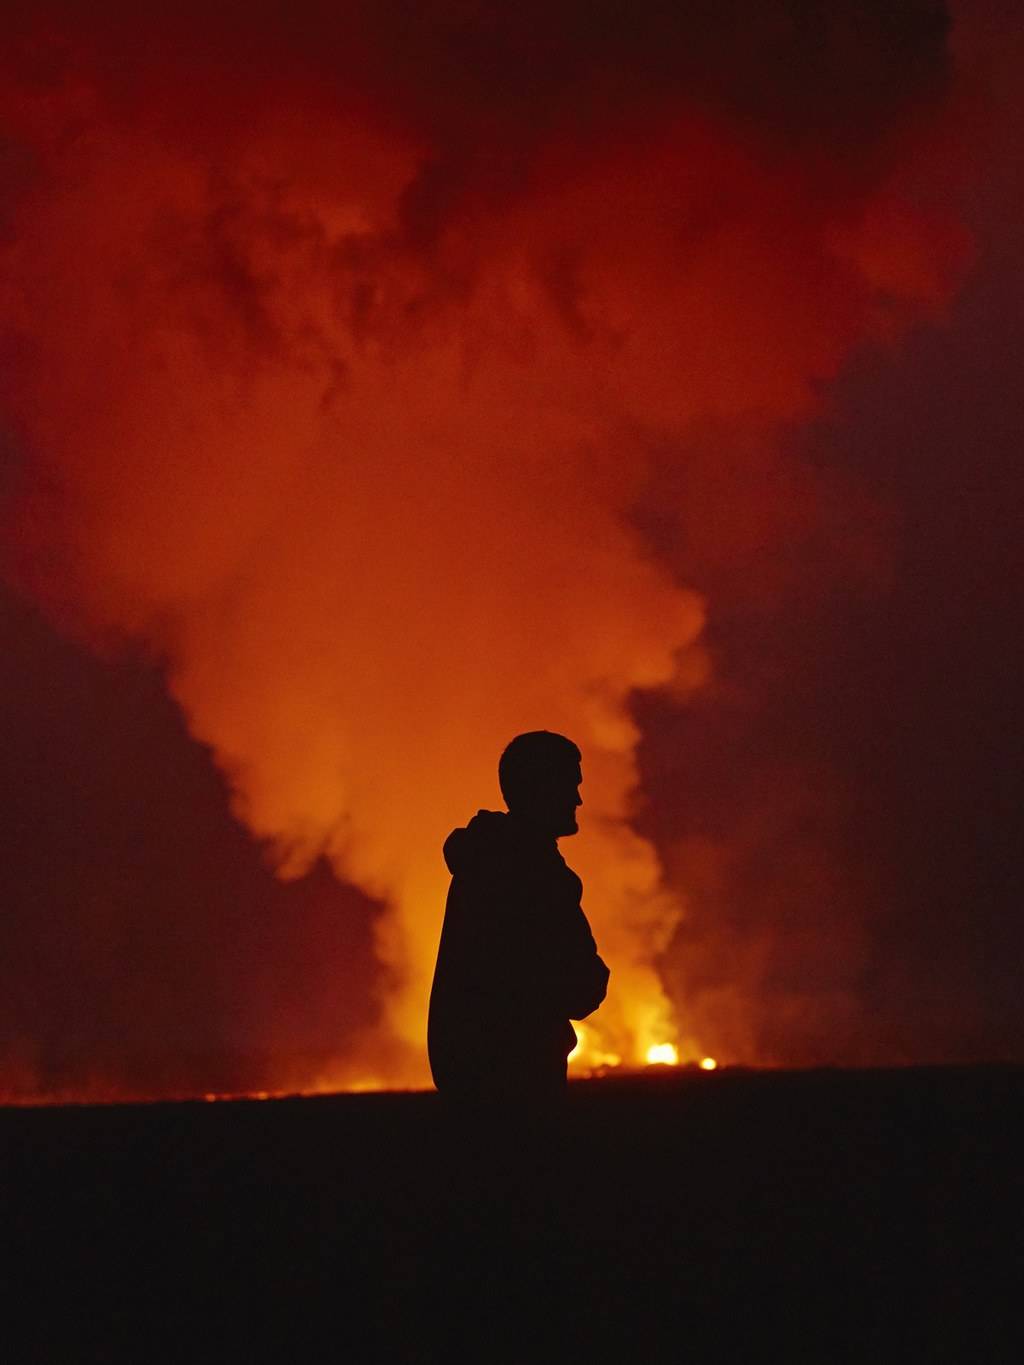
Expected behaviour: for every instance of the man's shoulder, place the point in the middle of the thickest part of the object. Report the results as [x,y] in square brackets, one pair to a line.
[476,846]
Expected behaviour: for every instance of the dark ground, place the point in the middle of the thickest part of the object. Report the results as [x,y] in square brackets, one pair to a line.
[817,1216]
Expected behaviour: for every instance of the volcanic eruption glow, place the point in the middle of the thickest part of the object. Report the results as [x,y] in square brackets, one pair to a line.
[662,1054]
[347,413]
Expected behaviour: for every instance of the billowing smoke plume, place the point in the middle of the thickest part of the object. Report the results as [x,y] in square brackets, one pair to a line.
[403,390]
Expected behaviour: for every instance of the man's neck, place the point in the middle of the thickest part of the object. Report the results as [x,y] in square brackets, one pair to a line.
[531,830]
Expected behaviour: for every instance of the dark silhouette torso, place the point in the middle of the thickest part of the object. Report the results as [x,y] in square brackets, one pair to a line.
[516,963]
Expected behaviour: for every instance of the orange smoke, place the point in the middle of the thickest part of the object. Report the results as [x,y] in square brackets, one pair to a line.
[370,496]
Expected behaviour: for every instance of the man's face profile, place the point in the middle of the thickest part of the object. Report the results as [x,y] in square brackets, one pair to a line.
[555,799]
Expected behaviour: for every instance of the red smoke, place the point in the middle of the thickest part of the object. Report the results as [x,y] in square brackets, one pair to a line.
[402,386]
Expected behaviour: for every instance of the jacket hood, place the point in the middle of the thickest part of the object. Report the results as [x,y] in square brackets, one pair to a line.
[485,835]
[494,835]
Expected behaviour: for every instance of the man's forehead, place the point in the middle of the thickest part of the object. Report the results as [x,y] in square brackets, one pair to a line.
[563,772]
[559,771]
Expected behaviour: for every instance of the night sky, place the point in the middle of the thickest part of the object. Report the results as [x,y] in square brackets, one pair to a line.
[378,381]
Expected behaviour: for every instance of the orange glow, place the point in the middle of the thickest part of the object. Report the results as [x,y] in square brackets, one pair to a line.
[373,501]
[588,1058]
[662,1054]
[708,1064]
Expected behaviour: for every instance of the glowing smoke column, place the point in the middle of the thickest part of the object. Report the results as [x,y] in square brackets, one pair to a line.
[364,585]
[371,502]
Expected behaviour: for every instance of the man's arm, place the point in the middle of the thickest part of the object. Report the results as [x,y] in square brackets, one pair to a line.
[588,989]
[586,976]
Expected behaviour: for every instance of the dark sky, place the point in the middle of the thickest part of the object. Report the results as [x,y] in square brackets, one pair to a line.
[692,314]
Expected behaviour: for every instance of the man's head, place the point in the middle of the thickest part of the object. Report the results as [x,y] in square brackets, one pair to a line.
[539,775]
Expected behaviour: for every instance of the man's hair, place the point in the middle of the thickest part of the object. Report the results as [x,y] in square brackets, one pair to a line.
[530,761]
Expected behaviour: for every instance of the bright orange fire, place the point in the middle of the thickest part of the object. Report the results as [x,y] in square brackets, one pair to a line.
[662,1054]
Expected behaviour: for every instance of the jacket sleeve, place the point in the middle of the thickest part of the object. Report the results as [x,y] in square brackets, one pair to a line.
[586,976]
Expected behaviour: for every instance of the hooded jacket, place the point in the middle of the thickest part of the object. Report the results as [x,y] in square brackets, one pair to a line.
[516,962]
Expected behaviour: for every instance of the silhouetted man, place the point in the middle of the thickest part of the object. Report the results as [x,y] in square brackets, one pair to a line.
[517,959]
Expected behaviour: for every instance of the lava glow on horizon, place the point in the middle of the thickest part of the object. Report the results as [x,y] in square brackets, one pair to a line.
[662,1054]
